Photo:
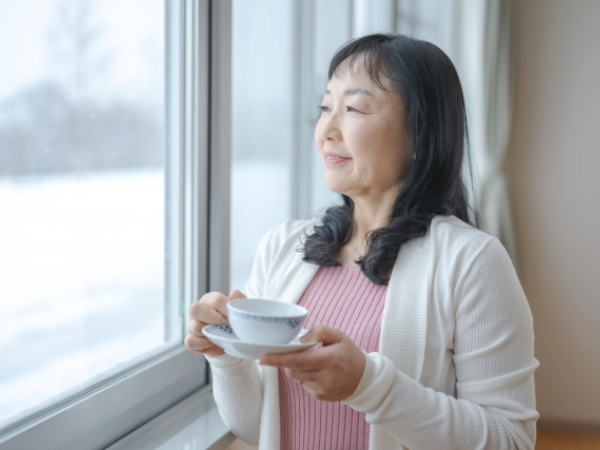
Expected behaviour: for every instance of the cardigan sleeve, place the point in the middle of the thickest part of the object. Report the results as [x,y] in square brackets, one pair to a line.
[237,383]
[237,389]
[494,406]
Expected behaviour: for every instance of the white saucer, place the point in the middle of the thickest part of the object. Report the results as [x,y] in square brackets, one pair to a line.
[225,338]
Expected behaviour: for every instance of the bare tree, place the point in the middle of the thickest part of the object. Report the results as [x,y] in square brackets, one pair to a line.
[57,126]
[76,45]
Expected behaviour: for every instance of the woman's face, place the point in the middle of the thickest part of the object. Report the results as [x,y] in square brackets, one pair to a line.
[361,136]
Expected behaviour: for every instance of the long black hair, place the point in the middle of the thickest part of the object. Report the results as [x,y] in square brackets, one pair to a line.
[428,85]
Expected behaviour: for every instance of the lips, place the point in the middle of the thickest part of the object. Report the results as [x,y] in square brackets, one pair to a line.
[332,159]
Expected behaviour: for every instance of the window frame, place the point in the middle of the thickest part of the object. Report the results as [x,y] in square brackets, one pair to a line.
[197,125]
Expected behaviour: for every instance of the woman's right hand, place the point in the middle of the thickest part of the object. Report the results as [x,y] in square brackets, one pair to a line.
[211,309]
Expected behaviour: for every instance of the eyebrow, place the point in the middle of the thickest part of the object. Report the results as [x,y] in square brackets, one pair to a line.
[350,92]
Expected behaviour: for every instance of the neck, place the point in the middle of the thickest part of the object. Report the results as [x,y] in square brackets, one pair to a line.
[369,216]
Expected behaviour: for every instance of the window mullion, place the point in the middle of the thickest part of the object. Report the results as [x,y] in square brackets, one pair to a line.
[220,144]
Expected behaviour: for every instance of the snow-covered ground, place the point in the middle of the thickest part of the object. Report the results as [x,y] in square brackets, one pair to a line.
[82,273]
[81,280]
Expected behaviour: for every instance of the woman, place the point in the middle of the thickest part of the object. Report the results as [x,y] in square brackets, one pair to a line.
[427,338]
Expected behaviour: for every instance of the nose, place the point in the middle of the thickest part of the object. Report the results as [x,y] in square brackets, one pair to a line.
[328,127]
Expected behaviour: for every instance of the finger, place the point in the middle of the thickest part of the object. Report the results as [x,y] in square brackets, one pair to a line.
[217,301]
[235,295]
[202,312]
[211,308]
[336,381]
[213,351]
[302,377]
[310,382]
[199,344]
[195,327]
[324,334]
[305,361]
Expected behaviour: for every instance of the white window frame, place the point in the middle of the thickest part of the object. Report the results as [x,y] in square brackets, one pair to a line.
[198,134]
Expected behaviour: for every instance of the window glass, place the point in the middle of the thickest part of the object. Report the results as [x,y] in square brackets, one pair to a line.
[263,102]
[82,197]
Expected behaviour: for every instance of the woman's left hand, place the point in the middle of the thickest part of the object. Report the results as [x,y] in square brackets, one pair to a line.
[331,373]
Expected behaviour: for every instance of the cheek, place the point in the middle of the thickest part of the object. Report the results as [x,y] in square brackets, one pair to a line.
[394,168]
[363,142]
[371,146]
[383,157]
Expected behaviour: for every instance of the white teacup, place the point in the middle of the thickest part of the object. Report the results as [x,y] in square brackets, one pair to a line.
[261,321]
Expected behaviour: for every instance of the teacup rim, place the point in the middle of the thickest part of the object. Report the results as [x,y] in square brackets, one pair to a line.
[231,304]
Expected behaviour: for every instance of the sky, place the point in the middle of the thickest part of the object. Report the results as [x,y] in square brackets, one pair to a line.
[132,34]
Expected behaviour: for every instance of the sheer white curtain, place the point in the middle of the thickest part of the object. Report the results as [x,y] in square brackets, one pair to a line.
[476,34]
[492,132]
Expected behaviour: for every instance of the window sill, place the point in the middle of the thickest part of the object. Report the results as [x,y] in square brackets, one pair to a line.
[192,423]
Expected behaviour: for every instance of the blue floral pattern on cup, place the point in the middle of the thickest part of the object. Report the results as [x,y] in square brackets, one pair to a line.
[227,329]
[292,323]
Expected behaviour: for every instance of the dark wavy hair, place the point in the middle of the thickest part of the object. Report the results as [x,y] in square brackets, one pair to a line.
[428,85]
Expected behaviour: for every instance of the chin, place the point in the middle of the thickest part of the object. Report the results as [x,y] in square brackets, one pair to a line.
[333,186]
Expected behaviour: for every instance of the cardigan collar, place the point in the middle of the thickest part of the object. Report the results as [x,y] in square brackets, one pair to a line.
[404,322]
[403,327]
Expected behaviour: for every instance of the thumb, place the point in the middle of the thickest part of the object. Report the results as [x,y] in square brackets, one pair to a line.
[324,334]
[235,295]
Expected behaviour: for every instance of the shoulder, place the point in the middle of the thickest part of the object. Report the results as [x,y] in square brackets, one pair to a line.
[457,238]
[461,249]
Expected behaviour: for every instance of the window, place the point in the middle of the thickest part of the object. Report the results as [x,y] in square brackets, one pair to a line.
[263,106]
[82,235]
[103,227]
[145,148]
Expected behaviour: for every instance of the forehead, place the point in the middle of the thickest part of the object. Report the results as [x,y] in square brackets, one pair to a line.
[354,74]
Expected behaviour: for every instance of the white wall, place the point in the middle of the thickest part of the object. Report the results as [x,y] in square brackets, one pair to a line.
[553,167]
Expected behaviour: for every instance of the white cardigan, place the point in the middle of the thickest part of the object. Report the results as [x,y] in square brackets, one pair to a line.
[455,364]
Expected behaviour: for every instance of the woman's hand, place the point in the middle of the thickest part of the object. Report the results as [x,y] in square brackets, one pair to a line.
[211,309]
[331,373]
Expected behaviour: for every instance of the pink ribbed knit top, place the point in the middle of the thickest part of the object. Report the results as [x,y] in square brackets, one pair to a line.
[344,298]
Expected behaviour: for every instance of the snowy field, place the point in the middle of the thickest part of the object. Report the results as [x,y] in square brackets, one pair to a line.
[81,273]
[81,281]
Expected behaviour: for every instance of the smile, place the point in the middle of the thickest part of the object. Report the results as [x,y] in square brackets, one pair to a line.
[331,160]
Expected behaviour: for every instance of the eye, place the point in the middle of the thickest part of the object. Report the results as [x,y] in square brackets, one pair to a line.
[324,108]
[351,109]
